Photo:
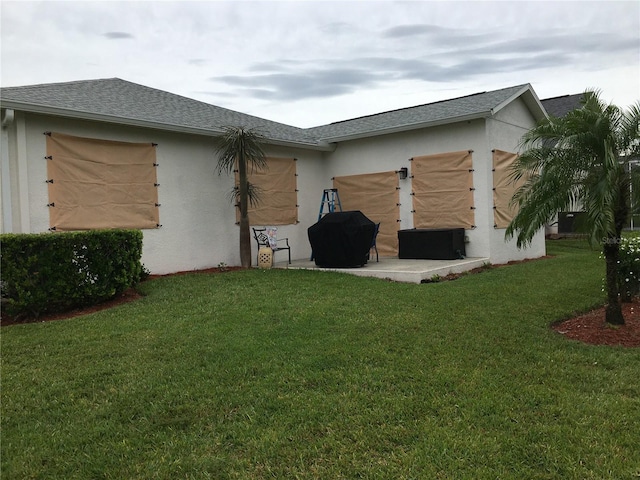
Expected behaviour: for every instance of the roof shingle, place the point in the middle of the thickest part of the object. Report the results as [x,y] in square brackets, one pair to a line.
[125,102]
[560,106]
[445,111]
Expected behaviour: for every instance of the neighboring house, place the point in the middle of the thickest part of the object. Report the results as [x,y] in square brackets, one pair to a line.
[564,222]
[560,106]
[57,139]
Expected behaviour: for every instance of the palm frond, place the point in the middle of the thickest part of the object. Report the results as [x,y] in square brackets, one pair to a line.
[237,143]
[576,159]
[254,194]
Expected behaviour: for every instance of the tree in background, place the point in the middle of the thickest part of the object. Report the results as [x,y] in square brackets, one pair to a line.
[583,158]
[241,148]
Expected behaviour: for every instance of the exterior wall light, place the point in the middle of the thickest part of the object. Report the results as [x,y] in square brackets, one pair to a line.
[403,172]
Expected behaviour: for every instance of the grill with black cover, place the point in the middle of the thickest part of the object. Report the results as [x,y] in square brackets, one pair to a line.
[341,239]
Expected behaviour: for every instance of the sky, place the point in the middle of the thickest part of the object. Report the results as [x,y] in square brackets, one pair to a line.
[309,63]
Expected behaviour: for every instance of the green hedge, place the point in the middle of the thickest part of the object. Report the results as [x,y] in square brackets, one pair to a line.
[56,272]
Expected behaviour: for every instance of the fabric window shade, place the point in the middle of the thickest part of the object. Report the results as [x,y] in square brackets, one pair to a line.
[377,196]
[504,187]
[278,198]
[97,184]
[443,190]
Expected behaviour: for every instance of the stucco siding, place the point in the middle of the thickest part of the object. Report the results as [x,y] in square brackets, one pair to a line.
[393,151]
[197,217]
[310,169]
[504,132]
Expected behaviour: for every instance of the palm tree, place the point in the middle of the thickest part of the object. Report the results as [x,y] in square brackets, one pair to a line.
[241,148]
[582,158]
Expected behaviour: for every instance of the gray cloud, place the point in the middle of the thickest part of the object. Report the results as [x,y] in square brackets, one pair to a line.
[402,31]
[117,35]
[294,80]
[432,36]
[313,83]
[281,65]
[567,43]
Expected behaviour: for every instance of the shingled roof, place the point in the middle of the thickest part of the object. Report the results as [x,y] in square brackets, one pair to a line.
[128,103]
[119,101]
[459,109]
[560,106]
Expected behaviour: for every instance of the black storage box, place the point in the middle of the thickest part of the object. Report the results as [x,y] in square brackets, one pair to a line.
[431,243]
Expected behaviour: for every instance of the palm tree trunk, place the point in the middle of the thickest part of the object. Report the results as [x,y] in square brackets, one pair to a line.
[613,311]
[245,235]
[245,242]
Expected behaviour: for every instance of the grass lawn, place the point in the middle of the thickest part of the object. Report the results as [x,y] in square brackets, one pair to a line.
[303,374]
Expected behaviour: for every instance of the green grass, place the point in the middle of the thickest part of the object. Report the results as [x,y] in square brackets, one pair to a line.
[302,374]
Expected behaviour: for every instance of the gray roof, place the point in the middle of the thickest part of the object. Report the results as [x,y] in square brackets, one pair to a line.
[125,102]
[119,101]
[438,113]
[560,106]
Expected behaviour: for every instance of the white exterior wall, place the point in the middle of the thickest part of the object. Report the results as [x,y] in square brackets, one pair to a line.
[310,168]
[393,151]
[198,220]
[15,214]
[504,132]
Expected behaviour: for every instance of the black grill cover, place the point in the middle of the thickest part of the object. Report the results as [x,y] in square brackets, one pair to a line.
[341,239]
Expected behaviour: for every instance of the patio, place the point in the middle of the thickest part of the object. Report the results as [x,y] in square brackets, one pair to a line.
[398,270]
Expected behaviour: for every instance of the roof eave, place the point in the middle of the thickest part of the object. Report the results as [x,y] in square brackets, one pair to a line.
[407,127]
[132,122]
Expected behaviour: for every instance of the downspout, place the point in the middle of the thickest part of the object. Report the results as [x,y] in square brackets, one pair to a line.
[8,116]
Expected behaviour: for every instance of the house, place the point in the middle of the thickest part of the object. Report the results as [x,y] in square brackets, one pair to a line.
[456,153]
[560,106]
[563,222]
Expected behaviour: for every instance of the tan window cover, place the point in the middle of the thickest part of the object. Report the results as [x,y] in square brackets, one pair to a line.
[443,190]
[503,188]
[95,184]
[377,196]
[278,196]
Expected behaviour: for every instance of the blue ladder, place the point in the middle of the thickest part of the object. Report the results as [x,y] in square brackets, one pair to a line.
[330,198]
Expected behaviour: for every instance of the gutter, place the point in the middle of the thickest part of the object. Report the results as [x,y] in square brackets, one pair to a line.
[98,117]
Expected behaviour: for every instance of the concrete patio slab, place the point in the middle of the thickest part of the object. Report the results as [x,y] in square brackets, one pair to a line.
[398,270]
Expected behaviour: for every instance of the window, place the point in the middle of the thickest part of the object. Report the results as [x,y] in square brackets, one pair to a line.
[277,190]
[377,196]
[95,184]
[504,188]
[443,190]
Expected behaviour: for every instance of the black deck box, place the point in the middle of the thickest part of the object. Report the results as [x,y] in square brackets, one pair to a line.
[431,243]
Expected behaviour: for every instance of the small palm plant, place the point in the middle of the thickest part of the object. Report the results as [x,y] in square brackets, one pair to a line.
[241,148]
[582,158]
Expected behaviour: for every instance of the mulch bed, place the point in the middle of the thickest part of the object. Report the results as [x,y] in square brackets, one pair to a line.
[589,327]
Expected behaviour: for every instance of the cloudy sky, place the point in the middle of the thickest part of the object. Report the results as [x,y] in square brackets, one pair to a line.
[308,63]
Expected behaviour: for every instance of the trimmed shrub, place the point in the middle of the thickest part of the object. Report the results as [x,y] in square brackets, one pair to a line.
[56,272]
